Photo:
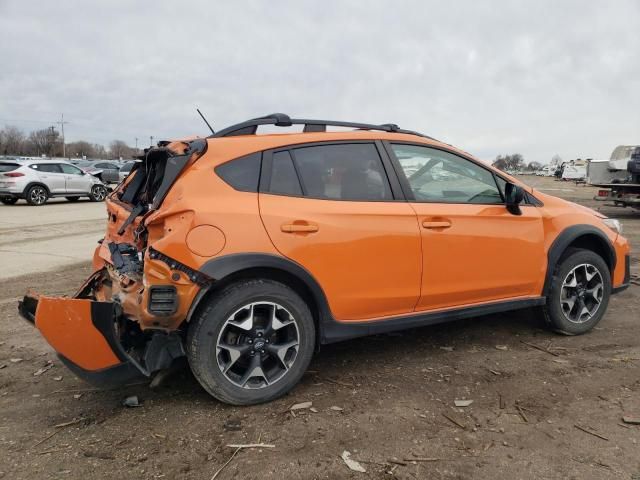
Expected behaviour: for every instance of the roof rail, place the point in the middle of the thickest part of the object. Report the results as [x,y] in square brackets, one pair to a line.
[250,127]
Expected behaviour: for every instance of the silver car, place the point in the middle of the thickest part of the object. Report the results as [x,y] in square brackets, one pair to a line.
[38,180]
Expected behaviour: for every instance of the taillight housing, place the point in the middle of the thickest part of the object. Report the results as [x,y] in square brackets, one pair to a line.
[14,174]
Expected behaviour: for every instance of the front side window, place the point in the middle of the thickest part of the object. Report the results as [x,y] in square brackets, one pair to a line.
[442,177]
[342,172]
[70,169]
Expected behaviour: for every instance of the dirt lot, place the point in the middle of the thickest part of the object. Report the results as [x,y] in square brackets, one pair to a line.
[395,395]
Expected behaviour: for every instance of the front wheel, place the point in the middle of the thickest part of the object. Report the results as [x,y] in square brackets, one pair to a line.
[98,193]
[580,291]
[252,342]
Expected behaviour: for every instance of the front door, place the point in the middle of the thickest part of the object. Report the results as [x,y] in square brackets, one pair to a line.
[474,250]
[330,208]
[77,181]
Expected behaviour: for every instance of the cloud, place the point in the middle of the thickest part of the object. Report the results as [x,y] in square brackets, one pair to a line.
[490,77]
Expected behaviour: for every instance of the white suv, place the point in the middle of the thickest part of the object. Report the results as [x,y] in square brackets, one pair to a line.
[38,180]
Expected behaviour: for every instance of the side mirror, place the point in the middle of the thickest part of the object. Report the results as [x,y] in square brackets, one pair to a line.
[514,195]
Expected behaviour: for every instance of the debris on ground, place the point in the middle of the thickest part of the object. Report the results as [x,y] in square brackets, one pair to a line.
[300,406]
[631,419]
[233,425]
[454,421]
[591,431]
[336,408]
[131,402]
[251,445]
[77,396]
[352,464]
[447,349]
[3,365]
[57,379]
[41,370]
[502,347]
[15,360]
[462,403]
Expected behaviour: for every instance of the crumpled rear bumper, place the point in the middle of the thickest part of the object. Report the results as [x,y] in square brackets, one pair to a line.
[82,332]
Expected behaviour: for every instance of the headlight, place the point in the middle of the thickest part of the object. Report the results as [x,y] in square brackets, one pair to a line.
[613,224]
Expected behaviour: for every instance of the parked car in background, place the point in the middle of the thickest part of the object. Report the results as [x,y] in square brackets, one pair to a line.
[246,252]
[38,180]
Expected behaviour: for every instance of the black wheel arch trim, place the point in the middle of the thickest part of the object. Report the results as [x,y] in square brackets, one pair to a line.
[219,268]
[35,184]
[566,238]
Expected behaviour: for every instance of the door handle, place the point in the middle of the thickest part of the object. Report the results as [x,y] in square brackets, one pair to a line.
[438,224]
[299,228]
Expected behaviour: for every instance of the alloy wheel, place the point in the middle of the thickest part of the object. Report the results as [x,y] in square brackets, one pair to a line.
[99,193]
[581,293]
[257,345]
[38,195]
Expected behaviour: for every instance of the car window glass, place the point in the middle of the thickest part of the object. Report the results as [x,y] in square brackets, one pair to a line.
[442,177]
[66,168]
[7,167]
[46,167]
[242,173]
[284,179]
[342,172]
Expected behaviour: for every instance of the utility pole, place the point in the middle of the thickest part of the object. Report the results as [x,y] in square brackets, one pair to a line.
[151,139]
[62,124]
[136,145]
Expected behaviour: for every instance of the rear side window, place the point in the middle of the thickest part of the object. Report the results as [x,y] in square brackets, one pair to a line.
[342,172]
[284,179]
[66,168]
[46,167]
[242,173]
[8,167]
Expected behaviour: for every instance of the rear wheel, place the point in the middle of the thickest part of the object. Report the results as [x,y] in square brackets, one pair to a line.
[9,200]
[37,195]
[98,193]
[252,342]
[580,291]
[72,199]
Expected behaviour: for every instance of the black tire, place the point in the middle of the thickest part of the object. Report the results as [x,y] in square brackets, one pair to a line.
[557,311]
[98,193]
[205,332]
[9,200]
[72,199]
[37,195]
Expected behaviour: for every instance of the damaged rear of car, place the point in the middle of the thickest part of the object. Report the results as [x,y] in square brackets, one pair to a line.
[123,323]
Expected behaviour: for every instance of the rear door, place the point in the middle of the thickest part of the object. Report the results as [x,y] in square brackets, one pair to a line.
[51,175]
[76,180]
[474,250]
[331,208]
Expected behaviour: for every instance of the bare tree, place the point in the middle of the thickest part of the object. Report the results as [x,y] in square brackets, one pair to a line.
[534,166]
[12,141]
[514,161]
[44,142]
[120,149]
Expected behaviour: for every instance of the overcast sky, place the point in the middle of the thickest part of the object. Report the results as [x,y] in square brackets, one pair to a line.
[491,77]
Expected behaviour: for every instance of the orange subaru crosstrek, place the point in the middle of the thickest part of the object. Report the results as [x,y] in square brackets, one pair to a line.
[245,252]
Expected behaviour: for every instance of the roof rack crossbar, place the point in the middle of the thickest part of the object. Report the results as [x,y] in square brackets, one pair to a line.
[250,127]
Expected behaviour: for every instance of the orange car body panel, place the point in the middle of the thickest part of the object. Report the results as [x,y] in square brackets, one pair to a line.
[365,255]
[66,325]
[472,261]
